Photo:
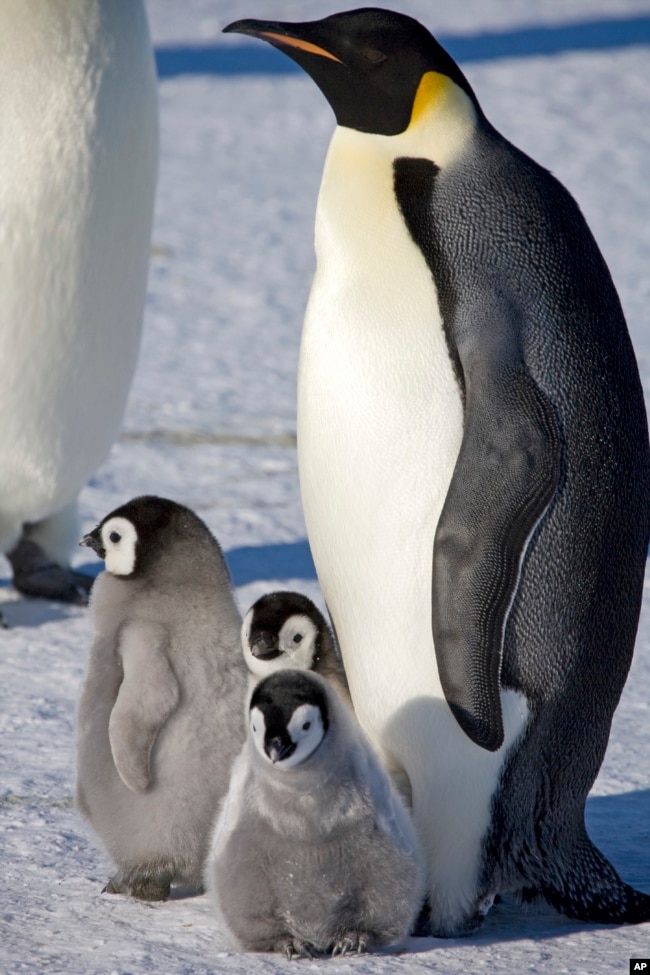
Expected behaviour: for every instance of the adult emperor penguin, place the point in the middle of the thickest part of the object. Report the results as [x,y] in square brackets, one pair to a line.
[313,850]
[161,714]
[286,631]
[474,467]
[78,163]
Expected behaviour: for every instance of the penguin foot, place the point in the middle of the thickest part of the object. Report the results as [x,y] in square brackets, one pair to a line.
[36,574]
[295,948]
[144,889]
[152,889]
[353,941]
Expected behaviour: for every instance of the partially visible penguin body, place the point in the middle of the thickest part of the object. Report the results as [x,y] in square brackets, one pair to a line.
[313,851]
[78,164]
[286,631]
[160,718]
[474,468]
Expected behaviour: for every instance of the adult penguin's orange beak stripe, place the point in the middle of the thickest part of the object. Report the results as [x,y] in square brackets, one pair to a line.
[296,42]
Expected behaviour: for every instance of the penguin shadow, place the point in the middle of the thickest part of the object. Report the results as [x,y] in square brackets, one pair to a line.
[258,563]
[24,612]
[219,59]
[617,824]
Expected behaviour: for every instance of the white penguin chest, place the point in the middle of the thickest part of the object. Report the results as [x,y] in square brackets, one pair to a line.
[380,423]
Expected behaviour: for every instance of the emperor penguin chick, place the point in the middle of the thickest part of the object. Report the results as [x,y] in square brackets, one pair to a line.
[313,850]
[285,630]
[160,715]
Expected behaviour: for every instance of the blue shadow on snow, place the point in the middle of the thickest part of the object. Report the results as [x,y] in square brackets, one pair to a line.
[252,563]
[260,58]
[618,826]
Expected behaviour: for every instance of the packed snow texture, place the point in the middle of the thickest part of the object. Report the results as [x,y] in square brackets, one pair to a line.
[211,423]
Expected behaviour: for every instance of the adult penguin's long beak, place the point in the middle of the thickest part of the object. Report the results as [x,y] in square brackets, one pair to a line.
[291,38]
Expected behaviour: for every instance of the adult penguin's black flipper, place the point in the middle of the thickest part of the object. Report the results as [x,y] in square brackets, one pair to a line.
[507,472]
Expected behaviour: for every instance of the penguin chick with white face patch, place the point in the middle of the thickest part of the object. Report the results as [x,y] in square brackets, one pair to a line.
[78,166]
[160,715]
[474,468]
[285,630]
[312,851]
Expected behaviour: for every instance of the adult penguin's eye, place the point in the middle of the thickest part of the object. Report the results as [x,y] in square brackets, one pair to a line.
[375,56]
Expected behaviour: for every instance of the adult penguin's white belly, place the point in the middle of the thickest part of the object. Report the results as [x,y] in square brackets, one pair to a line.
[380,421]
[78,160]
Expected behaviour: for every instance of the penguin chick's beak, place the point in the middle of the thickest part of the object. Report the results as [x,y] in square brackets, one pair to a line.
[279,35]
[264,647]
[277,749]
[93,541]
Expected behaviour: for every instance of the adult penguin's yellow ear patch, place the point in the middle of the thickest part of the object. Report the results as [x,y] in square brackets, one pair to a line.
[432,87]
[296,42]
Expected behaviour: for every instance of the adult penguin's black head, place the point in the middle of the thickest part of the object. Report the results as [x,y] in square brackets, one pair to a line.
[374,66]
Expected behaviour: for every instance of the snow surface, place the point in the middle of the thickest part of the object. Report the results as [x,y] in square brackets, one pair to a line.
[211,422]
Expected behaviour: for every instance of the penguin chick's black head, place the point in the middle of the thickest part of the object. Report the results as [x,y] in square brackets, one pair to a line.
[369,63]
[134,535]
[288,717]
[266,625]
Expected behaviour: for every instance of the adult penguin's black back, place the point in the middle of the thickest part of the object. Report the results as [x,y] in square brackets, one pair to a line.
[471,425]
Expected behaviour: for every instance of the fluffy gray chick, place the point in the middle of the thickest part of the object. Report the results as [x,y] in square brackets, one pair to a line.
[160,718]
[313,852]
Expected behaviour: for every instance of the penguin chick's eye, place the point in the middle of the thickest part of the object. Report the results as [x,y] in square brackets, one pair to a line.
[306,726]
[115,537]
[375,56]
[297,638]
